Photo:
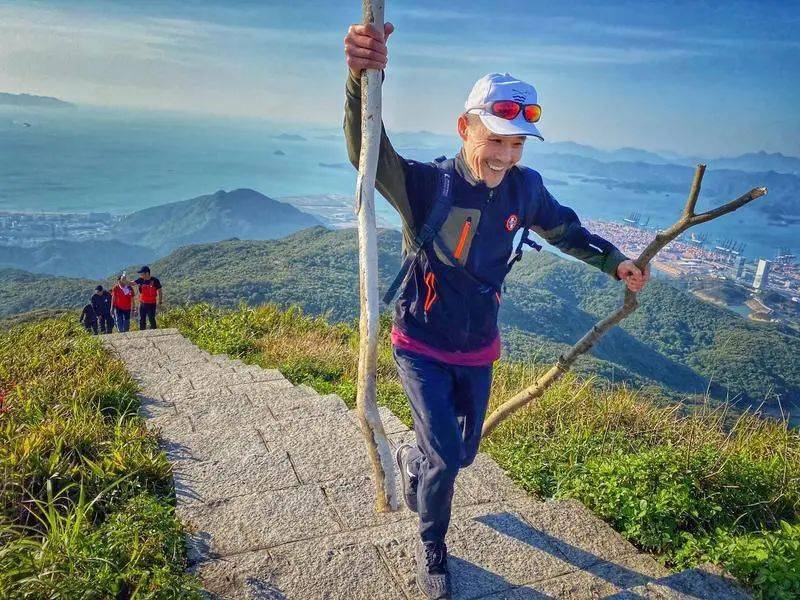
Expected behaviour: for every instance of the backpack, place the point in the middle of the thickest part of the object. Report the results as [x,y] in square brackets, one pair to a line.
[430,233]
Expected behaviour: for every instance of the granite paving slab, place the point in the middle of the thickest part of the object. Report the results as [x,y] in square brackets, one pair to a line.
[257,521]
[706,581]
[354,500]
[574,530]
[137,335]
[155,408]
[293,403]
[196,446]
[310,569]
[218,479]
[603,580]
[324,449]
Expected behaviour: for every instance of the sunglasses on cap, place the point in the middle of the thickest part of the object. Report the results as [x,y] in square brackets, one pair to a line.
[509,109]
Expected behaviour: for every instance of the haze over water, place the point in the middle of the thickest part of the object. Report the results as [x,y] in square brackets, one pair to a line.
[107,160]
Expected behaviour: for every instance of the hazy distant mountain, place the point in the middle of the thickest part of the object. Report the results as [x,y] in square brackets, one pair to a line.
[784,189]
[621,154]
[759,161]
[30,100]
[243,213]
[95,259]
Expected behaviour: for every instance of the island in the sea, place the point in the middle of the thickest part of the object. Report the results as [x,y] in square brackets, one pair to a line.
[31,100]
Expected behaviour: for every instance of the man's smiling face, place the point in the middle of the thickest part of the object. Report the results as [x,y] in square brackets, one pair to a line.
[488,155]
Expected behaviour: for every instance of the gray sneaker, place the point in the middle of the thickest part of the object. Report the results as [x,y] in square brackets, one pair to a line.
[433,578]
[407,481]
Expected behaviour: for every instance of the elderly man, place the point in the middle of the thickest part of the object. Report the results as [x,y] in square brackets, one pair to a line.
[444,333]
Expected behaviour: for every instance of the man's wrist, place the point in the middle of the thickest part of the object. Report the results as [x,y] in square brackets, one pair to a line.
[612,263]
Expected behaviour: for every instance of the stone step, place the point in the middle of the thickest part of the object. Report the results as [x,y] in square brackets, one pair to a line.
[154,383]
[218,479]
[137,335]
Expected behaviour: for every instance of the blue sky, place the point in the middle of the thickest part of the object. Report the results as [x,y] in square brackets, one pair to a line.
[694,78]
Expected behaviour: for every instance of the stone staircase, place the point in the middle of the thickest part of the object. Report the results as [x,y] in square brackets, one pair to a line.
[274,484]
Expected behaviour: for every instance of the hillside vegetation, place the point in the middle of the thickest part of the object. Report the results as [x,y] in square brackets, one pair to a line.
[22,292]
[86,504]
[684,487]
[93,259]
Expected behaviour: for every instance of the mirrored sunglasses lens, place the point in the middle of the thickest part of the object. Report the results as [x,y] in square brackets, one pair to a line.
[533,112]
[505,109]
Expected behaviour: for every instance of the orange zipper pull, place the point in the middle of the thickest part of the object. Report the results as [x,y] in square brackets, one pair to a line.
[463,237]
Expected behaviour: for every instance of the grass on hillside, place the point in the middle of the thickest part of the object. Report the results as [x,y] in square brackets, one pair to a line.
[687,487]
[86,501]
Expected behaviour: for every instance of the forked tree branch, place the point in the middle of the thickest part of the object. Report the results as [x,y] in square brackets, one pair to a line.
[565,361]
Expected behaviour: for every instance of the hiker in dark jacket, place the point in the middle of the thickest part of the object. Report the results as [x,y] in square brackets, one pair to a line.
[89,318]
[101,301]
[150,295]
[444,334]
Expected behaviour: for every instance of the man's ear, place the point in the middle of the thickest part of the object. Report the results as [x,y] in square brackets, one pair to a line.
[463,127]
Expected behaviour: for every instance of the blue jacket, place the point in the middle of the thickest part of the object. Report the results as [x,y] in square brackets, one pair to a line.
[438,305]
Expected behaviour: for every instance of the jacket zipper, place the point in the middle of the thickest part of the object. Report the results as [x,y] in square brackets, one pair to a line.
[463,237]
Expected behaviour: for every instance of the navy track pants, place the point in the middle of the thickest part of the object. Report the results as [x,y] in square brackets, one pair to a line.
[448,405]
[147,312]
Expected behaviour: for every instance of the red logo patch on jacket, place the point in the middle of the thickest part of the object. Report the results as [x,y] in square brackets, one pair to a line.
[511,222]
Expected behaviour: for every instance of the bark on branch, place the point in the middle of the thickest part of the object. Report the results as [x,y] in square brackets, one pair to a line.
[565,361]
[367,408]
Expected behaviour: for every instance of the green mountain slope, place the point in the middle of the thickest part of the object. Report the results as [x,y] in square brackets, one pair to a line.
[94,259]
[315,268]
[242,213]
[22,292]
[734,354]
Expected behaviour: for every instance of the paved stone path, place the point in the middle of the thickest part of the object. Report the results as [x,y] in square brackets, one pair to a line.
[274,484]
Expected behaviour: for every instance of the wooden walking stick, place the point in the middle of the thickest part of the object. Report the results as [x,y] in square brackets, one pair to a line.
[565,361]
[367,408]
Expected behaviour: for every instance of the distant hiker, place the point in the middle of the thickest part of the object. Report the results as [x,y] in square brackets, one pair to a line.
[101,300]
[445,334]
[89,319]
[150,295]
[122,303]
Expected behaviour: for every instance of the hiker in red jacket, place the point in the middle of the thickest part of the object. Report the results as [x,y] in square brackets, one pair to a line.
[460,221]
[122,303]
[150,296]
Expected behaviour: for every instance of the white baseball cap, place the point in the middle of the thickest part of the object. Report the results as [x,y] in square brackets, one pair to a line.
[502,86]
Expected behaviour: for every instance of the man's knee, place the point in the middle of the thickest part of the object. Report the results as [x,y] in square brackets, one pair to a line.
[444,468]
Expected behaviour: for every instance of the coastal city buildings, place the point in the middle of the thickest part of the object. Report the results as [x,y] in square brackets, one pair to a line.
[717,272]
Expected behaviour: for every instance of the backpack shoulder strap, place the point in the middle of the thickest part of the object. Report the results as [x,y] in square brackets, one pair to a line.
[430,229]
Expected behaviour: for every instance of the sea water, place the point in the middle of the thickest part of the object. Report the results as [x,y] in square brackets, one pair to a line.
[87,159]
